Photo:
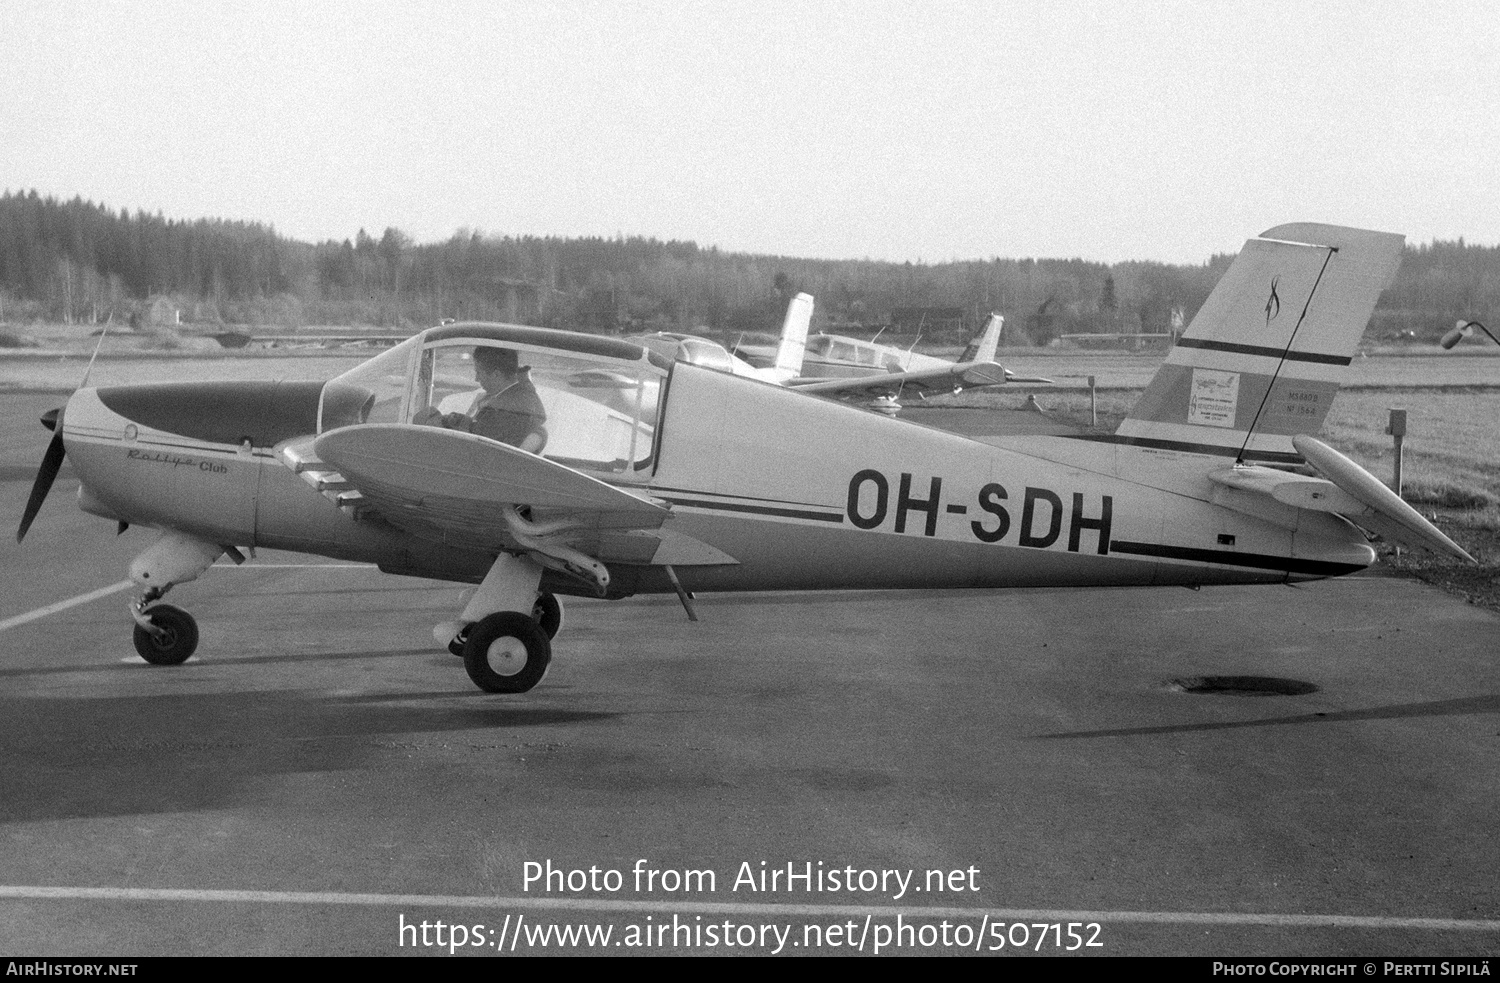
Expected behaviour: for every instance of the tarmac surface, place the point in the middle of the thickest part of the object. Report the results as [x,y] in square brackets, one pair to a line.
[321,779]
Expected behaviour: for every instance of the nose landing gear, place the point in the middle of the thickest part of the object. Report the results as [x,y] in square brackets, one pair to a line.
[165,635]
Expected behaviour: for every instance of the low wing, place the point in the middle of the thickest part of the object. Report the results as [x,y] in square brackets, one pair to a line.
[923,382]
[454,487]
[432,472]
[1342,488]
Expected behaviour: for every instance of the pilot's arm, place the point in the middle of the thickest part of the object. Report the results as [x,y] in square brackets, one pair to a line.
[517,427]
[433,416]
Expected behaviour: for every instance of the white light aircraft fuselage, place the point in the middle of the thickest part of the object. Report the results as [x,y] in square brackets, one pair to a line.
[669,477]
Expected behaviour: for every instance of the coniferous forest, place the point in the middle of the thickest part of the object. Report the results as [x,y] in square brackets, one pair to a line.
[77,261]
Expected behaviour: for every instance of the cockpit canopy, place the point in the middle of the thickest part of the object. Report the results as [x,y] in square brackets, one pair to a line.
[600,396]
[844,350]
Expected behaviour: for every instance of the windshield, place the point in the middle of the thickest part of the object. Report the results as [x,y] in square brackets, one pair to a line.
[369,393]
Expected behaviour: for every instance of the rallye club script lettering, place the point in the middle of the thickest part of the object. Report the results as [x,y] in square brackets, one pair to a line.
[872,505]
[176,461]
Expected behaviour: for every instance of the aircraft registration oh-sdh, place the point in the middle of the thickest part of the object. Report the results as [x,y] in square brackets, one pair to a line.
[660,477]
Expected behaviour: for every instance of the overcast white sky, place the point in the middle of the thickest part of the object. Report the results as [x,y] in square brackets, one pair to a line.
[892,130]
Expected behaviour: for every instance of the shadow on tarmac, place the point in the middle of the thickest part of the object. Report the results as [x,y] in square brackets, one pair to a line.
[1435,708]
[132,755]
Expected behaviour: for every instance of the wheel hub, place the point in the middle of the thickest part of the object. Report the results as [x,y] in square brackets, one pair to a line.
[506,656]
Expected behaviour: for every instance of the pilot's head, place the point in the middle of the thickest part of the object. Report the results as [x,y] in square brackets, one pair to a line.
[495,367]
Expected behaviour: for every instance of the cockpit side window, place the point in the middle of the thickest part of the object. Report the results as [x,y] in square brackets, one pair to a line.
[587,412]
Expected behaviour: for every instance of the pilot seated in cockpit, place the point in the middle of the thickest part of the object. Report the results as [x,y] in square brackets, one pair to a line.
[507,409]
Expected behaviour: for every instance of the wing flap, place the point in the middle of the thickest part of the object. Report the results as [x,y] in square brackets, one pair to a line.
[661,547]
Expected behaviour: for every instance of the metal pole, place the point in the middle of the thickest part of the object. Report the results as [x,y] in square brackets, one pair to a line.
[1093,404]
[1397,429]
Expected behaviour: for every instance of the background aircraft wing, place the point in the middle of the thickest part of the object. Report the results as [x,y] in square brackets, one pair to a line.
[922,382]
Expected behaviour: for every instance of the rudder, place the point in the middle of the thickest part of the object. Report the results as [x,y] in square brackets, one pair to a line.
[986,343]
[793,345]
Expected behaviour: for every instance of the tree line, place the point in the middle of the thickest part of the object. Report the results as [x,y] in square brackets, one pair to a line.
[76,261]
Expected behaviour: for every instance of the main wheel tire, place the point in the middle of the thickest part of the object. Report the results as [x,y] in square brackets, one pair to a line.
[548,613]
[456,644]
[507,652]
[177,640]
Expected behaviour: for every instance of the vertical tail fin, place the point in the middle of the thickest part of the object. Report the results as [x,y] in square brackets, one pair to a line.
[1262,360]
[986,343]
[793,347]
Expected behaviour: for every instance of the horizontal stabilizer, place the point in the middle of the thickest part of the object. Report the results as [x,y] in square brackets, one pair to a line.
[1386,513]
[1297,490]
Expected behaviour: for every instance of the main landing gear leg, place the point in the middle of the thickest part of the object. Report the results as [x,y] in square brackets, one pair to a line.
[505,648]
[166,635]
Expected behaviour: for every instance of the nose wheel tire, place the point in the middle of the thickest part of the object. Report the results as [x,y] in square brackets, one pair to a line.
[507,652]
[175,639]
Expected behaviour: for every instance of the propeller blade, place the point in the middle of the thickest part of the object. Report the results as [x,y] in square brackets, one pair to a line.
[45,475]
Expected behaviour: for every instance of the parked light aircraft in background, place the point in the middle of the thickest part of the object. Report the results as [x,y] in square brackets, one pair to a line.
[849,368]
[787,368]
[784,366]
[835,356]
[662,476]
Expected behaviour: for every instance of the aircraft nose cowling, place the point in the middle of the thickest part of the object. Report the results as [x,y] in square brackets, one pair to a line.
[221,412]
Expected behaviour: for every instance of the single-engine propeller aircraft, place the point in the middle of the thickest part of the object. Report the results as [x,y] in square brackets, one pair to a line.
[648,475]
[785,366]
[848,368]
